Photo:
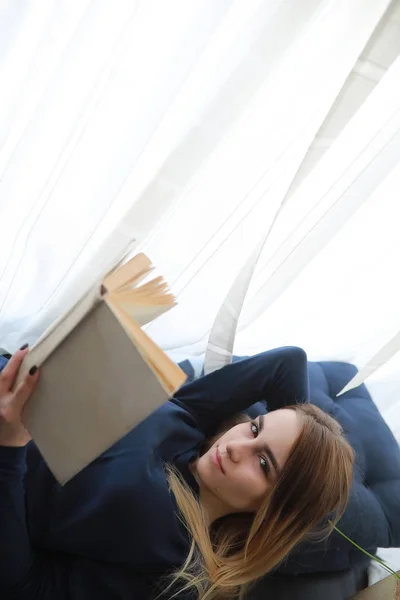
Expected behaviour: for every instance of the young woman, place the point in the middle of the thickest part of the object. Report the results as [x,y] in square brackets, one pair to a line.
[178,505]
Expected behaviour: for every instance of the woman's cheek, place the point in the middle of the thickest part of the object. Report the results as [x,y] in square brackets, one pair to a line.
[249,482]
[256,484]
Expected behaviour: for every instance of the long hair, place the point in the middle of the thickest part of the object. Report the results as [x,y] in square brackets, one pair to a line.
[238,549]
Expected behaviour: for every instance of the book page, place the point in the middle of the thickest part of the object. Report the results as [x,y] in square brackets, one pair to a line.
[141,313]
[144,302]
[169,374]
[130,273]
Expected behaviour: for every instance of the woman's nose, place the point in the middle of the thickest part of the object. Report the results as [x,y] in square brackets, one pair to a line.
[238,450]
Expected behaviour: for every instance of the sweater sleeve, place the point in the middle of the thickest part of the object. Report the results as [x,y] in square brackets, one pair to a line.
[24,574]
[278,376]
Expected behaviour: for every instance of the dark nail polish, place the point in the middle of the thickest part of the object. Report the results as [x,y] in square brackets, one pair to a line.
[33,370]
[24,346]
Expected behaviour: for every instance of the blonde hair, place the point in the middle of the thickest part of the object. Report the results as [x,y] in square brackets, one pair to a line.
[238,549]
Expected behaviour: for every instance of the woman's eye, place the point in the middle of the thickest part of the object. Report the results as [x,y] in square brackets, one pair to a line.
[263,461]
[264,465]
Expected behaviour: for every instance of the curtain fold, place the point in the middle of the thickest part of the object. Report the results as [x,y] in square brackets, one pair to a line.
[359,161]
[235,196]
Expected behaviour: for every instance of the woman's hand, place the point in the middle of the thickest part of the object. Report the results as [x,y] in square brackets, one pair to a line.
[12,431]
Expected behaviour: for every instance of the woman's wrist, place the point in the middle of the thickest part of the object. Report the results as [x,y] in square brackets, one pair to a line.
[13,443]
[12,461]
[14,435]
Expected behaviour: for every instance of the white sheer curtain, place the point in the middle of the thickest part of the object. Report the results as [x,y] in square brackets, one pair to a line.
[185,125]
[92,109]
[236,194]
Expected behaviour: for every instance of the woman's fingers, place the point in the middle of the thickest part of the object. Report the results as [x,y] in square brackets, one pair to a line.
[12,430]
[10,371]
[25,389]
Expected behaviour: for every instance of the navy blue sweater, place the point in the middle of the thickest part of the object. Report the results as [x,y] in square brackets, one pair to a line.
[111,531]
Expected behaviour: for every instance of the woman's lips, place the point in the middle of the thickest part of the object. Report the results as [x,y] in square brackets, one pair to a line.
[217,460]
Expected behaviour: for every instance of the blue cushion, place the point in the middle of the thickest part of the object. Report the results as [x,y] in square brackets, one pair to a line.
[372,518]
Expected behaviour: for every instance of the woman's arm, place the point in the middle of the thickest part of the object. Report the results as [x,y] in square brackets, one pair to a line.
[29,575]
[15,552]
[24,575]
[278,376]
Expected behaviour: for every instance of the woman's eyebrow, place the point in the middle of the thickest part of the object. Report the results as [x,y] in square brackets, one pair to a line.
[267,449]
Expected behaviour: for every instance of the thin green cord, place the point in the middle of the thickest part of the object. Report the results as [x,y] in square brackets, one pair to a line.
[388,569]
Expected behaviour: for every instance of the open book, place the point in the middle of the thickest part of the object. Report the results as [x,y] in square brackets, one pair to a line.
[101,374]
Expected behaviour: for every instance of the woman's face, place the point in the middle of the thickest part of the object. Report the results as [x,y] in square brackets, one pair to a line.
[245,462]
